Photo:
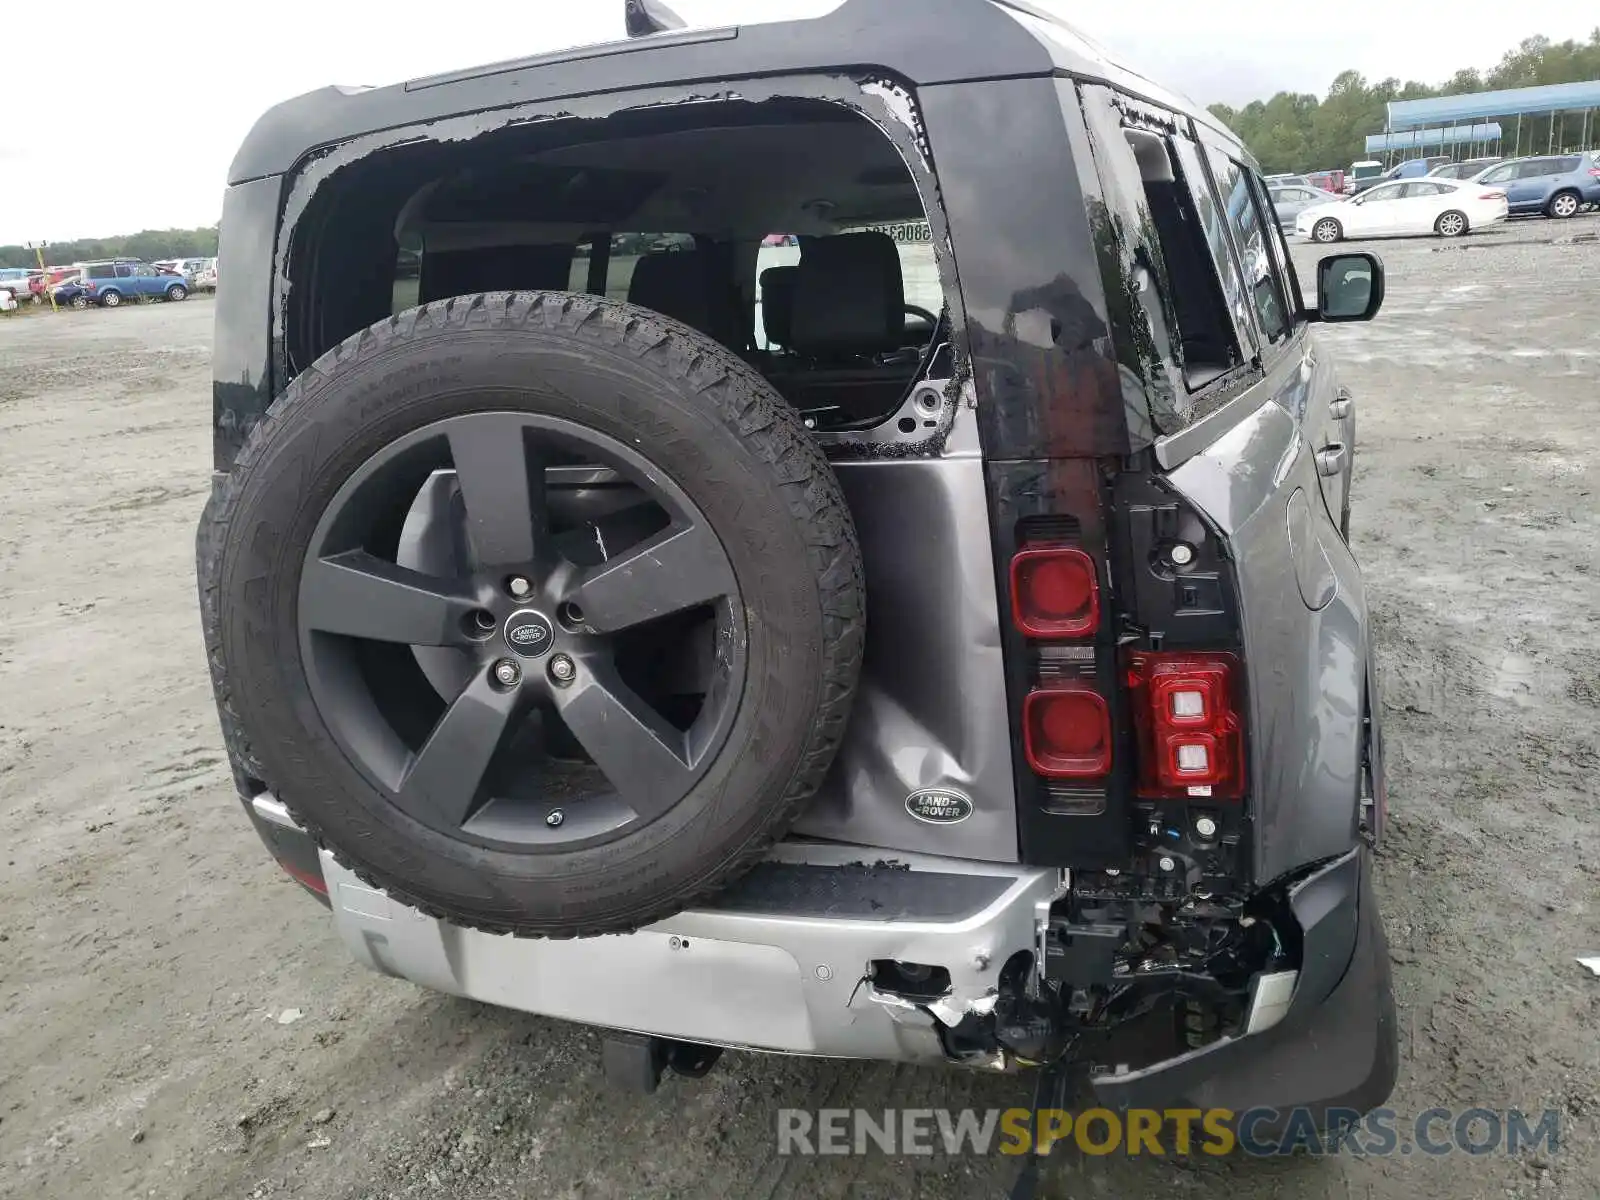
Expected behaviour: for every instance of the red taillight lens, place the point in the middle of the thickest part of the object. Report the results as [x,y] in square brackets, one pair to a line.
[1066,732]
[1055,593]
[1190,730]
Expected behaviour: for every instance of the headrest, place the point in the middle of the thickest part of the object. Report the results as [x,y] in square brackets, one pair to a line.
[849,295]
[777,303]
[684,285]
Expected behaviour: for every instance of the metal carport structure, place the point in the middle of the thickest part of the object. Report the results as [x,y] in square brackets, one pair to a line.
[1557,100]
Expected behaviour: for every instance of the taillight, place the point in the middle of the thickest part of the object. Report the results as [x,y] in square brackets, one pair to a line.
[1066,732]
[1055,593]
[1185,706]
[1492,196]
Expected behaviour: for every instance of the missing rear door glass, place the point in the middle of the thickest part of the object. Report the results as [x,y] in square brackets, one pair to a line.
[675,210]
[1205,337]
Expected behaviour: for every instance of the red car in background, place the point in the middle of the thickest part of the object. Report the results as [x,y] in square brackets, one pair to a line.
[38,284]
[1328,181]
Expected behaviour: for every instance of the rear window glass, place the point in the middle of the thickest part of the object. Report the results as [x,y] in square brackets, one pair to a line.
[1250,234]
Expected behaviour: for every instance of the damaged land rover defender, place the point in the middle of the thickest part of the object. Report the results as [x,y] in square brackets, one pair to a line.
[825,536]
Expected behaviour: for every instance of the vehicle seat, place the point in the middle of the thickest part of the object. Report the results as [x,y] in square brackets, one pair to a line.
[777,304]
[849,308]
[685,285]
[849,296]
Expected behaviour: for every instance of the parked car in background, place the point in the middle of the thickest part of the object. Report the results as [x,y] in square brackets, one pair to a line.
[1288,202]
[1467,168]
[73,292]
[44,283]
[205,276]
[110,283]
[1405,208]
[14,282]
[1362,174]
[1328,181]
[1557,185]
[1411,168]
[1296,180]
[187,267]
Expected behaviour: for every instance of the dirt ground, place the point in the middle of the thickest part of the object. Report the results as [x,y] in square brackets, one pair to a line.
[178,1020]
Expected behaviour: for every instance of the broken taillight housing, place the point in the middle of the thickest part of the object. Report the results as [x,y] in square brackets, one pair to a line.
[1066,732]
[1191,732]
[1055,592]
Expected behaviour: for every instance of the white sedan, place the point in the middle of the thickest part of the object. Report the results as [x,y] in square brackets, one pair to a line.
[1405,208]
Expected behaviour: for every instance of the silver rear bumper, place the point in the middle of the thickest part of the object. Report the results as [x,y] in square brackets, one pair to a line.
[779,964]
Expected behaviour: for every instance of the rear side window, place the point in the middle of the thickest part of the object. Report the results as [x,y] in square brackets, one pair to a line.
[1187,272]
[1535,167]
[1251,235]
[124,272]
[102,271]
[1215,224]
[1501,174]
[1568,164]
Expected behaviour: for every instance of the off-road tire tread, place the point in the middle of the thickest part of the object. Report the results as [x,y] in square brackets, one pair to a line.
[742,399]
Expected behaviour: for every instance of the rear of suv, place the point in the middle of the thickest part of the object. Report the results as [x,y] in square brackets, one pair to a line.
[871,542]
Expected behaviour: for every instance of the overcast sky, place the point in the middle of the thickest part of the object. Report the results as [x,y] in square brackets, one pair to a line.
[141,103]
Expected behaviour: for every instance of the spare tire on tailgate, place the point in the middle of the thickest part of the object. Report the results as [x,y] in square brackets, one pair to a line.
[542,612]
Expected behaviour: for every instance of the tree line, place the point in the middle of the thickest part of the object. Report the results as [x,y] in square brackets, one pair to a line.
[147,245]
[1296,132]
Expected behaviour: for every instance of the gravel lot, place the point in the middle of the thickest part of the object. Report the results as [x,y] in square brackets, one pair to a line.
[152,958]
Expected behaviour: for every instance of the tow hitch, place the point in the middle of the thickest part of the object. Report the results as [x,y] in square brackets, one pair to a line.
[635,1061]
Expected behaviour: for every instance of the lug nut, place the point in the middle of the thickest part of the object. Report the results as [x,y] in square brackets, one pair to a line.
[1205,827]
[555,818]
[1167,863]
[562,669]
[507,672]
[518,586]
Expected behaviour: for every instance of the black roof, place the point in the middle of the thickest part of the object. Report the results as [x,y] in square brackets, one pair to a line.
[931,42]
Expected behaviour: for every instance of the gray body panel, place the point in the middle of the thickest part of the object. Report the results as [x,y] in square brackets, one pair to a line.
[930,711]
[1304,617]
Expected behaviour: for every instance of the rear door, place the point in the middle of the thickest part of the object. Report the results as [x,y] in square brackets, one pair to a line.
[1532,181]
[1420,204]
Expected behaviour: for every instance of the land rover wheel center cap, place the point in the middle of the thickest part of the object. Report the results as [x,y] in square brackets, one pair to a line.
[529,633]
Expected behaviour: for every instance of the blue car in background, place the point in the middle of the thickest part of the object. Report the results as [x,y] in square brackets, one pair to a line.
[1557,185]
[108,284]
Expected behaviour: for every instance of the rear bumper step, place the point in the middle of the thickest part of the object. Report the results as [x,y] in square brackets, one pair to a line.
[777,962]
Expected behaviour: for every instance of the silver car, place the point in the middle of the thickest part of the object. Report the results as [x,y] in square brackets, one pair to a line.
[1288,202]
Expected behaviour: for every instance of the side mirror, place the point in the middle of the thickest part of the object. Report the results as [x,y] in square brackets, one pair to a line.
[1349,287]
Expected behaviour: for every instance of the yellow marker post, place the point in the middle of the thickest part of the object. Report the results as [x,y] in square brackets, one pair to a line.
[38,252]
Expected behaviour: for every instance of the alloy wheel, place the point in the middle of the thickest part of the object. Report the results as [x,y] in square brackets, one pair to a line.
[1564,205]
[521,631]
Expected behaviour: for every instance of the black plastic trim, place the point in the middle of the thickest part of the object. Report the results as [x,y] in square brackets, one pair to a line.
[863,892]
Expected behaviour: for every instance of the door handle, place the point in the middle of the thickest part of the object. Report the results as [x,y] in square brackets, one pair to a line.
[1340,408]
[1330,459]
